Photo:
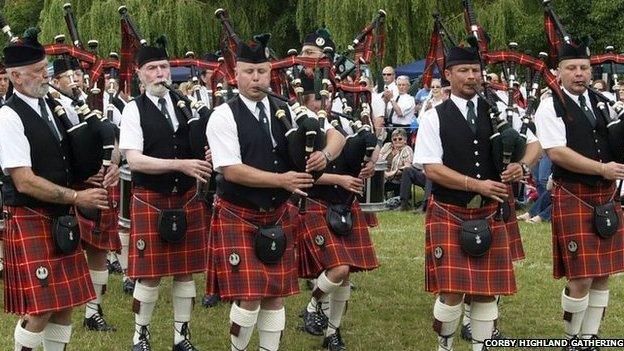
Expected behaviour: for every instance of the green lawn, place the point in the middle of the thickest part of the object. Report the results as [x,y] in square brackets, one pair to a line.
[389,311]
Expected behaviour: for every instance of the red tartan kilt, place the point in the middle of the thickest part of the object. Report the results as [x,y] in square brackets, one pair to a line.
[106,235]
[29,248]
[457,272]
[356,250]
[371,219]
[250,279]
[513,231]
[577,251]
[159,258]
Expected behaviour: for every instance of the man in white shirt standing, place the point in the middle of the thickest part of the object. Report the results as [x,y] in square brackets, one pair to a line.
[455,150]
[587,160]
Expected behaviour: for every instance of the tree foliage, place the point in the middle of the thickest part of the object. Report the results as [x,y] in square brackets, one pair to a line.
[191,24]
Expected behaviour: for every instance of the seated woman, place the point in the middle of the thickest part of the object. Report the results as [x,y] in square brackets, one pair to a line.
[398,155]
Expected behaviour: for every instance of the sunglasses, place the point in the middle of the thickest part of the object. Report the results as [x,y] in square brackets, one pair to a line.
[387,74]
[397,139]
[435,87]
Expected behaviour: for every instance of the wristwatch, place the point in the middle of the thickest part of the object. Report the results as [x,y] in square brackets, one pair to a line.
[328,156]
[525,168]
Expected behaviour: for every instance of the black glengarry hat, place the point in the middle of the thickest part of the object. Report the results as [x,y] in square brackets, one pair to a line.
[458,55]
[321,38]
[25,51]
[147,54]
[578,50]
[254,51]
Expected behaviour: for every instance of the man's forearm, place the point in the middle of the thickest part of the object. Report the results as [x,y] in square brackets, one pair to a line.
[328,179]
[149,165]
[532,153]
[40,188]
[571,160]
[335,143]
[249,176]
[443,175]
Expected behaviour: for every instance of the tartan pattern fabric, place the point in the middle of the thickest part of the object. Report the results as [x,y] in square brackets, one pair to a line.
[435,55]
[102,234]
[449,269]
[249,278]
[30,254]
[157,257]
[129,46]
[577,251]
[356,250]
[513,231]
[96,64]
[553,36]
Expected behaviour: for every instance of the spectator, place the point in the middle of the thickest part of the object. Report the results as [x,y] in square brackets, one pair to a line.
[541,209]
[398,155]
[400,110]
[390,88]
[436,96]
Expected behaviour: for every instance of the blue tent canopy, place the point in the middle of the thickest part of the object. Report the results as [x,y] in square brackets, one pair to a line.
[415,69]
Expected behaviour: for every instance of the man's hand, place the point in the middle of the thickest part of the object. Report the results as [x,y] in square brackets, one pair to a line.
[293,182]
[492,189]
[352,184]
[111,178]
[198,169]
[92,198]
[316,162]
[96,179]
[512,173]
[208,154]
[368,170]
[387,95]
[612,170]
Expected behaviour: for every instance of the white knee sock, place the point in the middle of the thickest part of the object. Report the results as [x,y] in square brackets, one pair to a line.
[145,298]
[242,323]
[337,304]
[124,237]
[25,338]
[271,323]
[326,286]
[183,295]
[574,312]
[482,317]
[466,318]
[99,279]
[447,319]
[597,302]
[56,336]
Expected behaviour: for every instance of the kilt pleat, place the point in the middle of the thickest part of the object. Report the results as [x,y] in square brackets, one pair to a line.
[103,235]
[38,278]
[231,236]
[150,256]
[513,230]
[449,269]
[319,248]
[577,251]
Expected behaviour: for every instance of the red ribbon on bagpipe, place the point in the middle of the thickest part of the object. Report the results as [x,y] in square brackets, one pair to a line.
[201,64]
[606,58]
[97,65]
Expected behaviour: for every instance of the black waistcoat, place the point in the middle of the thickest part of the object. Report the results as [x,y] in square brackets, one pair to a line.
[50,159]
[160,141]
[583,138]
[464,151]
[257,151]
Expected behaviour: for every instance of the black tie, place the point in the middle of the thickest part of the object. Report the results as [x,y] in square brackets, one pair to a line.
[588,112]
[264,121]
[49,122]
[392,111]
[163,108]
[472,116]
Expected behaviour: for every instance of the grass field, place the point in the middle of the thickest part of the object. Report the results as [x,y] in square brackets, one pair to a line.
[389,311]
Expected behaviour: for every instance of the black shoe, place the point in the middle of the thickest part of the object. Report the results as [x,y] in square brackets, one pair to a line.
[334,343]
[143,344]
[309,284]
[128,286]
[210,300]
[184,345]
[114,267]
[98,323]
[592,348]
[466,332]
[352,286]
[314,322]
[497,335]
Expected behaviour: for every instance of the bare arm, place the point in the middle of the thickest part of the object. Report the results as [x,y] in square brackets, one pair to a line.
[532,154]
[150,165]
[397,108]
[571,160]
[252,177]
[443,175]
[40,188]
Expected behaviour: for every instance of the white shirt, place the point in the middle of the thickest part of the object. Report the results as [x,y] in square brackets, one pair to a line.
[428,148]
[407,104]
[550,127]
[392,87]
[70,110]
[131,134]
[14,146]
[206,96]
[116,113]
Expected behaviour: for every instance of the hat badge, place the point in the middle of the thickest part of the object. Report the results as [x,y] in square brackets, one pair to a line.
[320,41]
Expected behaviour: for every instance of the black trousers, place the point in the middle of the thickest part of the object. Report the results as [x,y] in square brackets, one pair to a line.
[414,176]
